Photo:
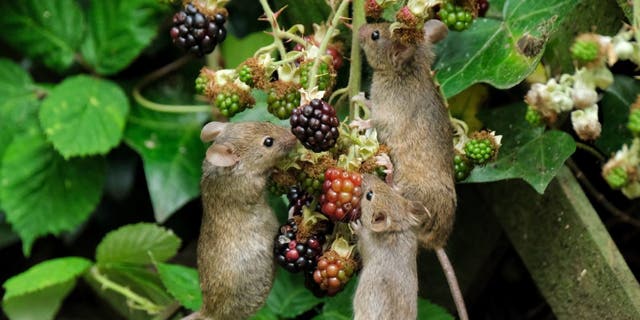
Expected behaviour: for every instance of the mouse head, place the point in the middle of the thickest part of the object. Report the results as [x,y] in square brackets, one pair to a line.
[385,50]
[385,210]
[249,148]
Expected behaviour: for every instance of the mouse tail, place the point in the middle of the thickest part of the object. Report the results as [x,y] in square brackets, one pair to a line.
[456,293]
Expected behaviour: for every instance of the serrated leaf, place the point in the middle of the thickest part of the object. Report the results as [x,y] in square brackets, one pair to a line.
[14,81]
[41,305]
[45,274]
[340,307]
[47,30]
[235,51]
[44,194]
[428,310]
[615,105]
[489,50]
[182,283]
[527,153]
[136,243]
[288,297]
[170,147]
[118,31]
[87,121]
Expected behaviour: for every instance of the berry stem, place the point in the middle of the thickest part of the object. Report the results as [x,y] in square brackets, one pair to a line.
[271,18]
[355,69]
[135,300]
[157,74]
[591,150]
[325,41]
[636,18]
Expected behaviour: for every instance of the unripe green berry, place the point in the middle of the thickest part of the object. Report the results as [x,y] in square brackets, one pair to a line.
[585,51]
[462,167]
[533,116]
[201,84]
[245,75]
[634,122]
[479,151]
[617,178]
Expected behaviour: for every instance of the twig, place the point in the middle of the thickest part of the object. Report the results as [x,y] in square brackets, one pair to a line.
[591,150]
[355,72]
[136,301]
[157,74]
[600,198]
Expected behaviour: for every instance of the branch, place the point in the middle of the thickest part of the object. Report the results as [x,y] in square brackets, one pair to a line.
[355,72]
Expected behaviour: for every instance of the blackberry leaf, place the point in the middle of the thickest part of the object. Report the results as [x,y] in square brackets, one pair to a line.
[135,244]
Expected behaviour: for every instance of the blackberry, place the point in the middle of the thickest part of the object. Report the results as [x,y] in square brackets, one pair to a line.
[617,178]
[482,6]
[533,116]
[462,167]
[455,17]
[341,192]
[229,103]
[585,50]
[298,198]
[245,75]
[333,272]
[325,74]
[294,255]
[201,84]
[479,151]
[310,184]
[634,122]
[315,125]
[194,32]
[281,103]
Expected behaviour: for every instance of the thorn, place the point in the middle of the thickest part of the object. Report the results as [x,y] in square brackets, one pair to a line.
[277,13]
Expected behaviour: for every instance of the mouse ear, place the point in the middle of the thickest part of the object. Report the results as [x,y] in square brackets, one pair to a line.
[380,222]
[221,155]
[435,30]
[401,53]
[211,130]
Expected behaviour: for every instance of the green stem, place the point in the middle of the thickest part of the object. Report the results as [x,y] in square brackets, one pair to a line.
[325,41]
[591,150]
[136,300]
[355,72]
[153,76]
[636,19]
[274,27]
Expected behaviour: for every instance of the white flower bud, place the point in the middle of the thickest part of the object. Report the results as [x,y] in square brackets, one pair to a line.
[584,95]
[585,123]
[623,49]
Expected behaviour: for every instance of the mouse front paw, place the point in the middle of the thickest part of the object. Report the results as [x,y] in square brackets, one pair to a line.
[356,226]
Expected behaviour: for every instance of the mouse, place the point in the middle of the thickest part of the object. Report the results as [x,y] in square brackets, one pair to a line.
[387,232]
[410,115]
[235,247]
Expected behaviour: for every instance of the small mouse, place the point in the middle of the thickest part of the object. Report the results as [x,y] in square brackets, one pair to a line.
[388,244]
[235,253]
[410,116]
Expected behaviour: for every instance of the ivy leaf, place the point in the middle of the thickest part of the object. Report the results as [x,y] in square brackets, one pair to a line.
[44,194]
[84,116]
[135,243]
[428,310]
[340,307]
[235,51]
[288,297]
[499,52]
[527,153]
[615,105]
[183,284]
[38,292]
[47,30]
[170,147]
[118,31]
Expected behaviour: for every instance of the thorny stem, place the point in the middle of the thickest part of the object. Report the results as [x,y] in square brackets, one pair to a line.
[621,215]
[325,41]
[591,150]
[155,75]
[137,301]
[355,71]
[270,16]
[636,19]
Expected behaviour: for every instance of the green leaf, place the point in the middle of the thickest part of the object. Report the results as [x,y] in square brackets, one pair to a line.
[135,243]
[118,31]
[183,284]
[235,51]
[42,304]
[288,297]
[489,51]
[527,153]
[84,116]
[45,274]
[264,314]
[428,310]
[138,278]
[340,307]
[14,81]
[41,192]
[171,150]
[614,106]
[47,30]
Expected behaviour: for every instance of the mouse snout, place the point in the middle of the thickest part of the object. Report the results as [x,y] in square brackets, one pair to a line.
[289,140]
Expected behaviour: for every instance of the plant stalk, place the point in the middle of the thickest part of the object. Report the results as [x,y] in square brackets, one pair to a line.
[138,301]
[355,71]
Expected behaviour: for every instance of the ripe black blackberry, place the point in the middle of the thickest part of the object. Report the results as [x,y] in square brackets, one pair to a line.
[315,125]
[294,255]
[298,198]
[194,32]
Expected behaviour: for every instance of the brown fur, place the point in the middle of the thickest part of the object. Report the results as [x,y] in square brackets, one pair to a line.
[410,116]
[388,244]
[235,254]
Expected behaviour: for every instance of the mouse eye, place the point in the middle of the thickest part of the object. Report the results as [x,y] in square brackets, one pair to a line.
[375,35]
[268,142]
[369,195]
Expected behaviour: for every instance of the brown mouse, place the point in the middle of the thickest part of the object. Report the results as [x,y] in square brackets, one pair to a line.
[410,116]
[235,253]
[388,244]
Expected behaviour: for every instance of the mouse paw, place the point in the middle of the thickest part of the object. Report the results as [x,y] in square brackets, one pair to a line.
[356,226]
[383,160]
[360,124]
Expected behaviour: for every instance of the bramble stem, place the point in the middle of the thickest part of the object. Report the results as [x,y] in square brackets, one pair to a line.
[636,19]
[137,301]
[157,74]
[355,71]
[325,41]
[270,16]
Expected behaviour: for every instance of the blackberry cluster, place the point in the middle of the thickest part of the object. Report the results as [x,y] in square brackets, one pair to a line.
[310,184]
[455,17]
[201,84]
[617,178]
[245,75]
[229,104]
[585,51]
[462,167]
[315,125]
[293,255]
[634,122]
[281,106]
[333,272]
[324,74]
[479,151]
[341,193]
[197,33]
[298,199]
